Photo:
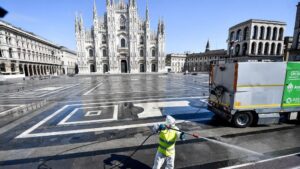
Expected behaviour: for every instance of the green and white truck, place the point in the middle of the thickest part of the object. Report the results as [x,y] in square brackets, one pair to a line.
[250,93]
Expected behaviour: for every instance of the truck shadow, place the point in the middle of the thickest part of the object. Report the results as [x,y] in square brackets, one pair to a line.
[116,161]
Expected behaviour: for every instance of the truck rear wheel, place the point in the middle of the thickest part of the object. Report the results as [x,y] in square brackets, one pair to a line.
[242,119]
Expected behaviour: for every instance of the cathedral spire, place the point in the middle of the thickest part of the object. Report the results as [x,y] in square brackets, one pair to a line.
[163,27]
[80,23]
[132,3]
[147,12]
[121,4]
[108,2]
[95,14]
[159,26]
[207,46]
[76,22]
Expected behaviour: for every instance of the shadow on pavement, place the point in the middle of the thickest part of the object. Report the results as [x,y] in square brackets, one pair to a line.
[116,161]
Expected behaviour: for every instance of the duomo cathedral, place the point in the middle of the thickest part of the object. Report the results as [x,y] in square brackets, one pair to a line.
[120,41]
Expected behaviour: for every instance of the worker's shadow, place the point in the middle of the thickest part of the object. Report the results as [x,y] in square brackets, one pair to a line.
[116,161]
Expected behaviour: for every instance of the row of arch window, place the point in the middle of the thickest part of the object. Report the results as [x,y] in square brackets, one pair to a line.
[142,68]
[263,34]
[29,70]
[91,52]
[104,52]
[153,53]
[262,49]
[123,41]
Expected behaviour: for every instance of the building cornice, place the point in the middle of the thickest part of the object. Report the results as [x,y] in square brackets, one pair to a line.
[261,21]
[18,30]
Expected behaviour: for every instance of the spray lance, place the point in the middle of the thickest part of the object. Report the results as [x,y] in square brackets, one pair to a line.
[187,133]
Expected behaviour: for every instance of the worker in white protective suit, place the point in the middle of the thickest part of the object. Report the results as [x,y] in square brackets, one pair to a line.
[167,140]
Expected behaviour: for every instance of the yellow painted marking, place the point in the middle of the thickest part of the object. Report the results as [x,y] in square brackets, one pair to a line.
[269,85]
[215,101]
[237,103]
[285,105]
[258,106]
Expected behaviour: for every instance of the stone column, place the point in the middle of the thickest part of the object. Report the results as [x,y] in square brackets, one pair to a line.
[36,70]
[269,50]
[256,49]
[26,71]
[275,48]
[18,68]
[42,70]
[32,70]
[8,67]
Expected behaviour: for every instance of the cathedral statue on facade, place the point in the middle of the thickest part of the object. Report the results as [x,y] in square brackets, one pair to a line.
[120,41]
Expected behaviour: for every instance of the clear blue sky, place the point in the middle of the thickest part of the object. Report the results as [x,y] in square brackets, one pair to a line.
[189,23]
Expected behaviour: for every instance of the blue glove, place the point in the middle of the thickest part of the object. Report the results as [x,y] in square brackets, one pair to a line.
[182,136]
[161,127]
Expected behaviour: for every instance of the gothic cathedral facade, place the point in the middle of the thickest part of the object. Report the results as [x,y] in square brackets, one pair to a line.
[120,41]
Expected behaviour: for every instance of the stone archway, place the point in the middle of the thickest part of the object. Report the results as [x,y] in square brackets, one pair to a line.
[92,68]
[45,70]
[105,68]
[21,69]
[26,70]
[124,68]
[30,70]
[142,68]
[153,67]
[34,69]
[38,70]
[42,70]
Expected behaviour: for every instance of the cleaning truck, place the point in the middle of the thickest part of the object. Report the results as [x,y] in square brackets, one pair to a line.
[255,93]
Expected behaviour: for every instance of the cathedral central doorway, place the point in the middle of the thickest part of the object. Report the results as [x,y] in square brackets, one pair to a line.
[124,66]
[92,68]
[153,68]
[105,68]
[142,68]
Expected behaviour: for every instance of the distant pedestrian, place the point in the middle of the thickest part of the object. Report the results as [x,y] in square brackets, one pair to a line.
[167,140]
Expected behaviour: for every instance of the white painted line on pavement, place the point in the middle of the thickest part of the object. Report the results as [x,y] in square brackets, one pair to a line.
[92,89]
[64,121]
[126,101]
[20,106]
[41,122]
[153,109]
[262,161]
[68,116]
[204,101]
[28,131]
[146,91]
[93,113]
[10,105]
[31,93]
[27,135]
[58,90]
[297,167]
[153,98]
